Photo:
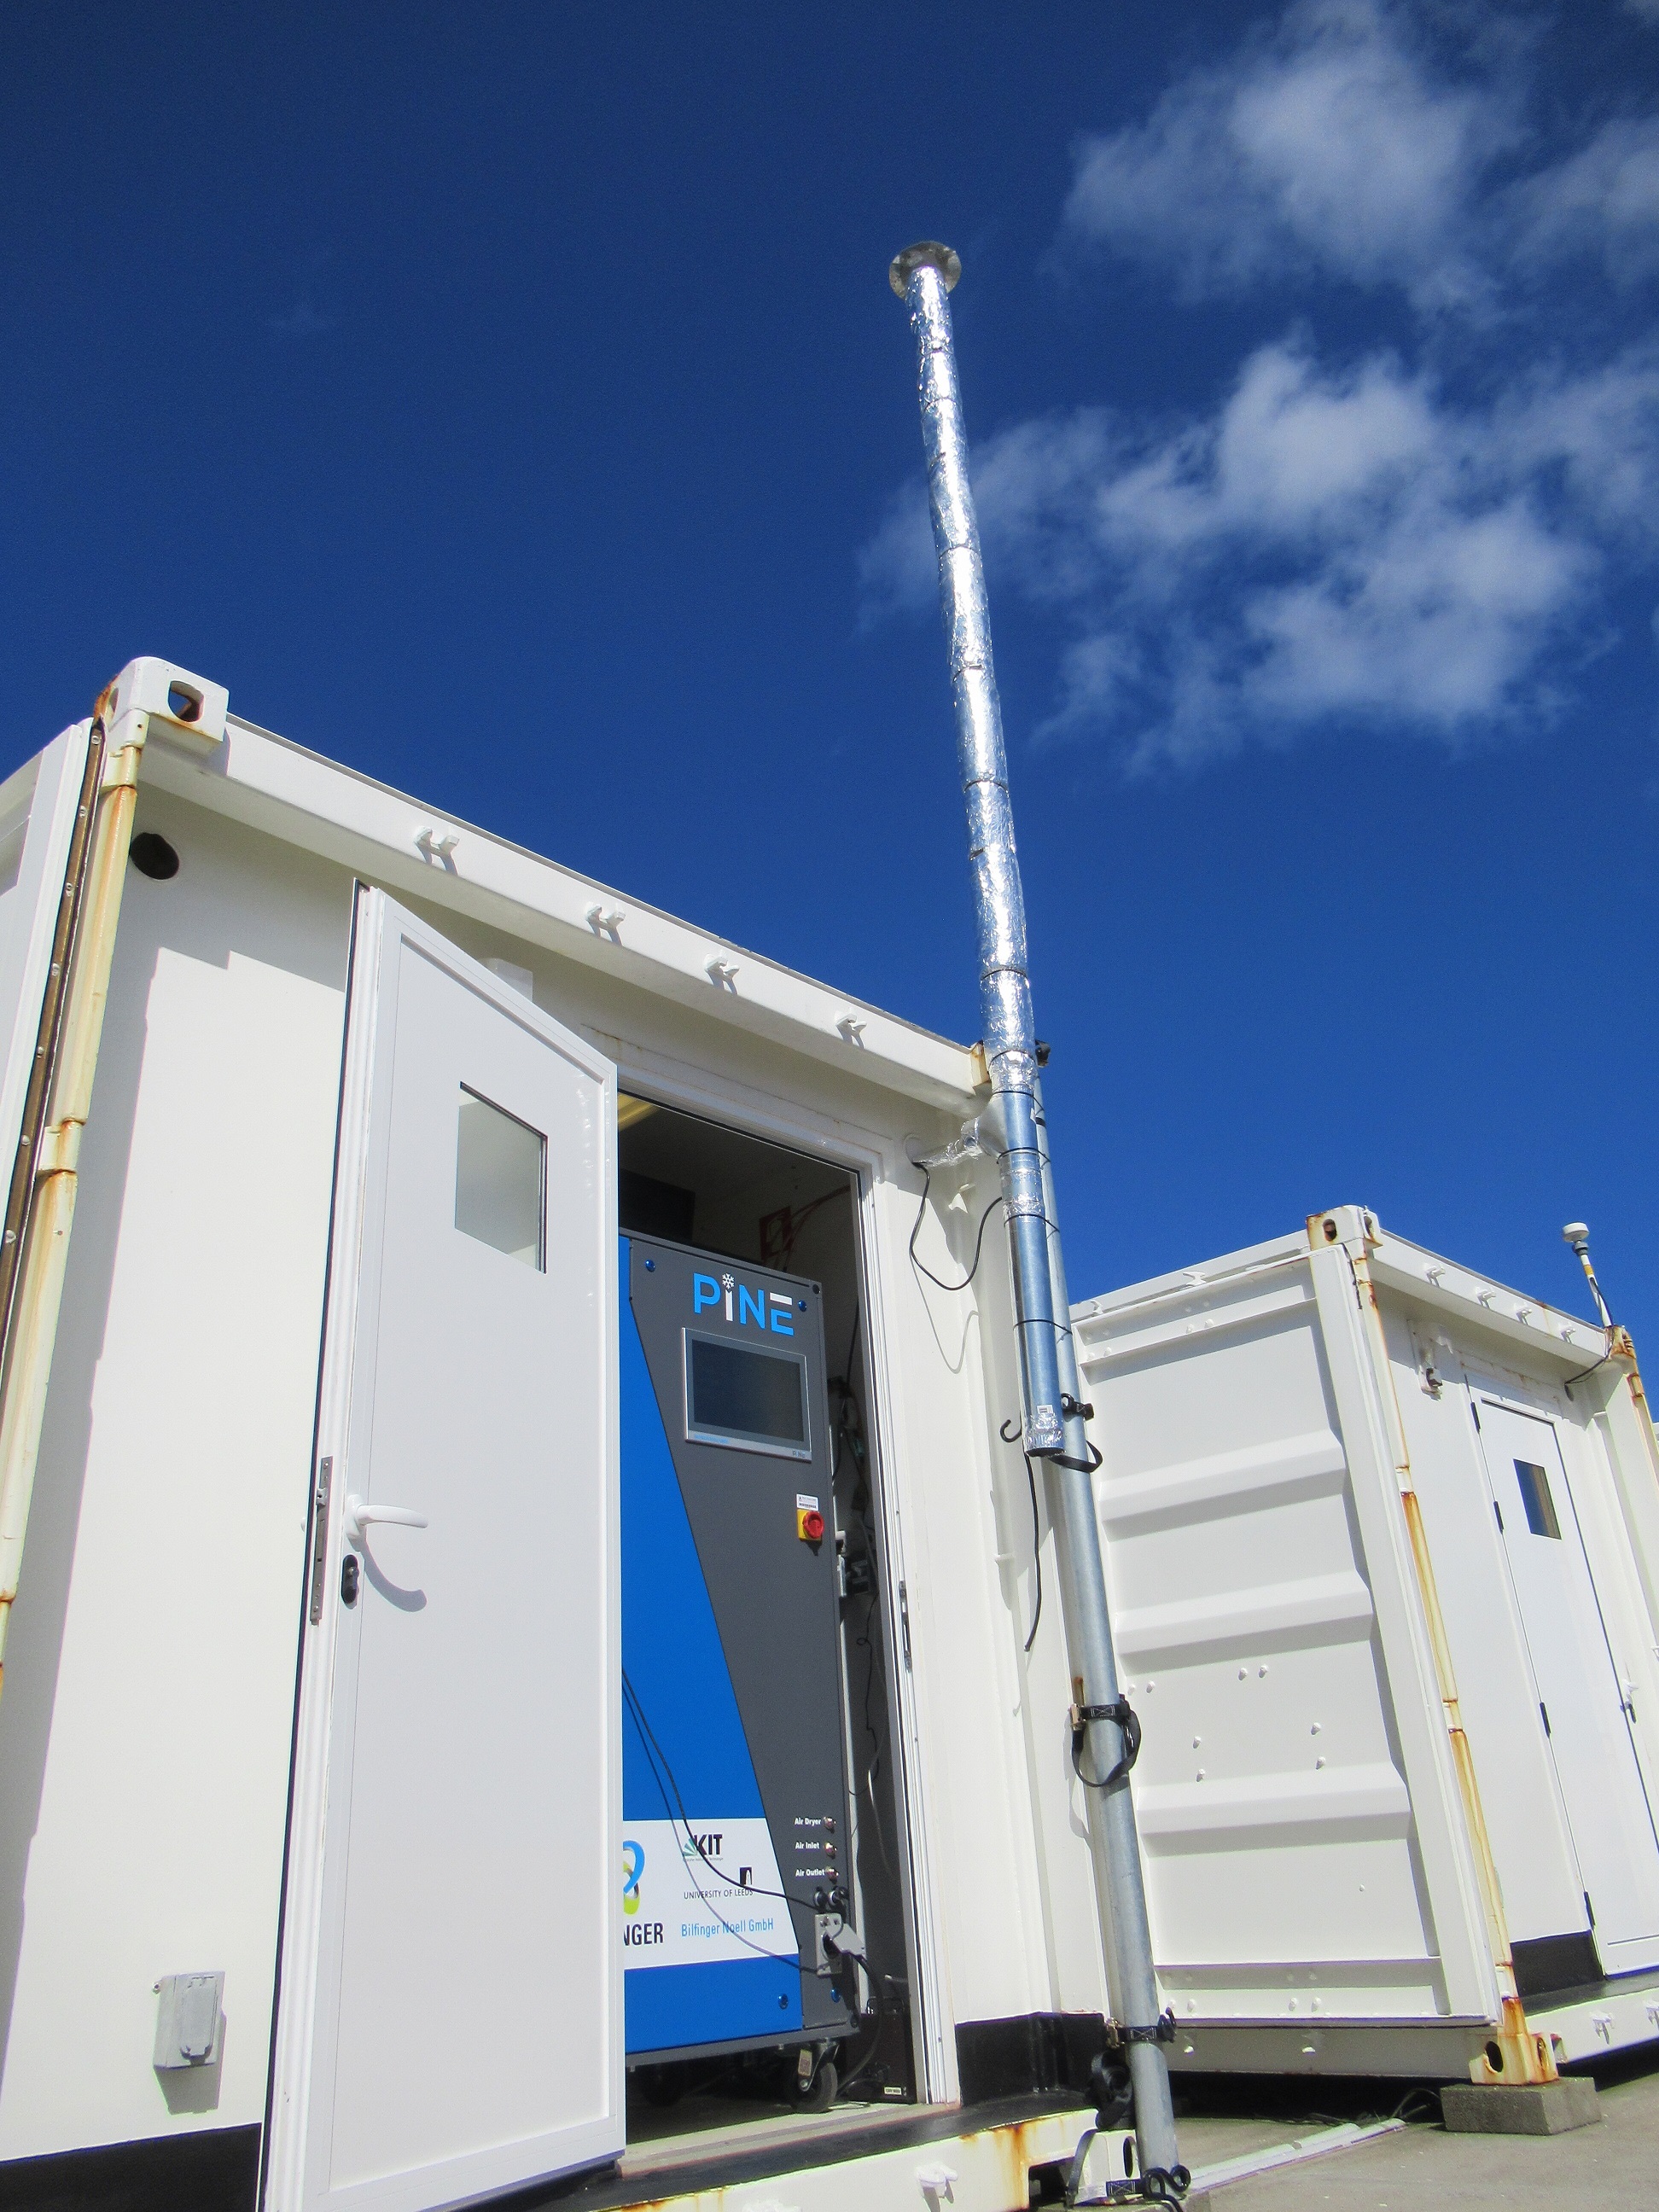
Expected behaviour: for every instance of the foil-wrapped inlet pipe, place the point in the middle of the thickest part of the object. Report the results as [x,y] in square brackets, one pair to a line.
[921,276]
[1015,1127]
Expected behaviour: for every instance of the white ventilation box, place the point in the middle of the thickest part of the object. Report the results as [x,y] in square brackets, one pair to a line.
[1275,1425]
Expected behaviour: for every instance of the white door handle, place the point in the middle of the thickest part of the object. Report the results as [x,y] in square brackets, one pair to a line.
[358,1516]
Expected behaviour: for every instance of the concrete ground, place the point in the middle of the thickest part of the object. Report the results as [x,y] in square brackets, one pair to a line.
[1613,2166]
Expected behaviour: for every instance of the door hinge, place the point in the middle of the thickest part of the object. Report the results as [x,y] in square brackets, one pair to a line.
[1545,1709]
[1590,1909]
[904,1623]
[1498,1510]
[320,1544]
[1475,1410]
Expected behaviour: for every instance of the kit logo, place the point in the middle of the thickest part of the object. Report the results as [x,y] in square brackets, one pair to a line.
[767,1310]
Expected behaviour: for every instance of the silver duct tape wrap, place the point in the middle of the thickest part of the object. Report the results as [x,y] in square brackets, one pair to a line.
[999,900]
[1015,1121]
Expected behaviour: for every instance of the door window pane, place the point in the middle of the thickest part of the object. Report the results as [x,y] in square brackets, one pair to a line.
[501,1172]
[1535,1497]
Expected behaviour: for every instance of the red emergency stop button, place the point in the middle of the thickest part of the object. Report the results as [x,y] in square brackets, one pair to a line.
[809,1524]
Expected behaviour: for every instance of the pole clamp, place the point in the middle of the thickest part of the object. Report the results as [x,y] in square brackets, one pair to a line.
[1079,1466]
[1162,2029]
[1124,1717]
[1158,2184]
[1074,1409]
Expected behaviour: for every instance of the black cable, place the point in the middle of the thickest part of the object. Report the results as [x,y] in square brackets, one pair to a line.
[781,1958]
[1590,1369]
[1008,1432]
[842,1385]
[749,1889]
[1037,1550]
[874,1980]
[921,1266]
[865,1637]
[1428,2103]
[654,1753]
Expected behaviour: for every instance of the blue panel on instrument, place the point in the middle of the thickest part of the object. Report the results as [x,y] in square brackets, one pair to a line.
[721,2001]
[673,1659]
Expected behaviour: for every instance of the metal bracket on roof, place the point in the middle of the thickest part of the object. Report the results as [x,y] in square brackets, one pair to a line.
[179,704]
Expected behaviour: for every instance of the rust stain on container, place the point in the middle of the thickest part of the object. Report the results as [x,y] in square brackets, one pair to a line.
[1017,2148]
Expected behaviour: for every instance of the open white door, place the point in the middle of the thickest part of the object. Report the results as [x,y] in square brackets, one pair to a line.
[450,2011]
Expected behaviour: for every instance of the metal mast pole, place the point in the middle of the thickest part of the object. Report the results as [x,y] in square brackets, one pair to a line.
[1053,1422]
[1576,1234]
[1114,1844]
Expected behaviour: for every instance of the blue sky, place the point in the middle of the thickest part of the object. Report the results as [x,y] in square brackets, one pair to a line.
[510,402]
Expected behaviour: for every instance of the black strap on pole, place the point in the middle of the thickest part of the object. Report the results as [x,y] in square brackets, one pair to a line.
[1123,1716]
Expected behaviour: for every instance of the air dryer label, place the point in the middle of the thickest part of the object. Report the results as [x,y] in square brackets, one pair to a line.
[708,1892]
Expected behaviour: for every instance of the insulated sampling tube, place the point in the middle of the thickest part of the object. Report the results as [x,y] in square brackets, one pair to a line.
[921,276]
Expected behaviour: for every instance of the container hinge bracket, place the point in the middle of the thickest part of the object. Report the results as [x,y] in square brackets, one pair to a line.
[1123,1716]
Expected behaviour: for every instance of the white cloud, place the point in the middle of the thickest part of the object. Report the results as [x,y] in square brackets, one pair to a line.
[1333,145]
[1605,197]
[1324,547]
[896,568]
[1421,538]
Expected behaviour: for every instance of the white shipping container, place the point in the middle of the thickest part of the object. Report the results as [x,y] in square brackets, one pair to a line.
[306,1902]
[1311,1447]
[312,1902]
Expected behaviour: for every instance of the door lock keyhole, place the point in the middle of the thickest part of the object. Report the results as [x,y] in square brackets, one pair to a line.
[349,1573]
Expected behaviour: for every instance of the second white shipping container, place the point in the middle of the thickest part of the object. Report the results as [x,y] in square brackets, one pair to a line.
[1382,1539]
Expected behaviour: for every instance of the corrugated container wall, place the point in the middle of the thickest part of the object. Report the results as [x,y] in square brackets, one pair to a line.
[1267,1420]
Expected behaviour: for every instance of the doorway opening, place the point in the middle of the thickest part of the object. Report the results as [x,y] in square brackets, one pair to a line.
[732,1222]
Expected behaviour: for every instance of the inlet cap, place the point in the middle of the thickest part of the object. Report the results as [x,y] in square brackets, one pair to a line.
[927,253]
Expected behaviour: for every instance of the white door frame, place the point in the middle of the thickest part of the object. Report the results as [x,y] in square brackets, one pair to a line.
[283,2181]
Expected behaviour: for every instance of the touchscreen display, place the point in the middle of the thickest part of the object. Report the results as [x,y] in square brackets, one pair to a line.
[742,1395]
